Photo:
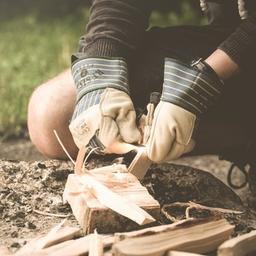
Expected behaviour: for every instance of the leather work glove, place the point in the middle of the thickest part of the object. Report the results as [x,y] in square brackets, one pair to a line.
[188,92]
[104,112]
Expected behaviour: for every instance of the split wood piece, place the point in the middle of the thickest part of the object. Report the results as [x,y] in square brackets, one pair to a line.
[239,246]
[155,230]
[81,246]
[80,160]
[54,248]
[140,164]
[178,253]
[198,238]
[52,238]
[107,209]
[96,245]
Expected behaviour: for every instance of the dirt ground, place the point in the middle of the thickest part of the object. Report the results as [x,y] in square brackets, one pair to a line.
[31,188]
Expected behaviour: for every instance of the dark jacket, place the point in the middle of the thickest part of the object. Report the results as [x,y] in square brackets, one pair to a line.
[116,27]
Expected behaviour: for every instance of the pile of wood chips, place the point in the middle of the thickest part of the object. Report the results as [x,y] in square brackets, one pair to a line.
[185,237]
[112,200]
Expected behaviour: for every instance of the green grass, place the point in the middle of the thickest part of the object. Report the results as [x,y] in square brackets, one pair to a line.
[34,49]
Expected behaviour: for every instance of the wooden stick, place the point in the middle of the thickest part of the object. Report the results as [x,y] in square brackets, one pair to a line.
[116,202]
[51,214]
[178,253]
[199,238]
[140,164]
[154,230]
[80,246]
[239,246]
[55,236]
[63,147]
[96,245]
[80,160]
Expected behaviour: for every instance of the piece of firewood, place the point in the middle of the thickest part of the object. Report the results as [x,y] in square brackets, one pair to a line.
[140,163]
[80,246]
[54,248]
[179,253]
[55,236]
[96,245]
[80,160]
[239,246]
[197,237]
[154,230]
[109,207]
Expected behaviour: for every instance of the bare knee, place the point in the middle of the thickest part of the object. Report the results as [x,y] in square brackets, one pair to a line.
[50,108]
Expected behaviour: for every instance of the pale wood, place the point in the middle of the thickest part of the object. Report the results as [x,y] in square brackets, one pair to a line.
[148,122]
[96,245]
[106,201]
[179,253]
[80,246]
[154,230]
[55,236]
[80,160]
[140,163]
[239,246]
[56,247]
[199,238]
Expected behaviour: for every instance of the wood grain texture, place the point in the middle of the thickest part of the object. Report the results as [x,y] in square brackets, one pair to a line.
[109,201]
[195,238]
[239,246]
[140,164]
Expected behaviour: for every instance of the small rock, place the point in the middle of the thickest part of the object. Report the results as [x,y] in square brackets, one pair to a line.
[30,225]
[20,214]
[15,245]
[41,166]
[14,234]
[20,222]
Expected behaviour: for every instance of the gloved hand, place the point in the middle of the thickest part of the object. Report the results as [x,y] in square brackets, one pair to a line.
[104,112]
[188,91]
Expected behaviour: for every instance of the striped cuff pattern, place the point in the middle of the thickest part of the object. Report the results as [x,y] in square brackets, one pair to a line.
[93,75]
[190,88]
[88,100]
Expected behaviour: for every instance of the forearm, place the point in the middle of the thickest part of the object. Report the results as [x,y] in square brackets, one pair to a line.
[222,64]
[237,52]
[115,27]
[240,46]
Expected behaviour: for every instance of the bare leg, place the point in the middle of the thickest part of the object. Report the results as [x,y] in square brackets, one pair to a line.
[50,108]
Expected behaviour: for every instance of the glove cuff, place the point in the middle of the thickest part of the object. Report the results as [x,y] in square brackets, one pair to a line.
[92,74]
[90,99]
[193,87]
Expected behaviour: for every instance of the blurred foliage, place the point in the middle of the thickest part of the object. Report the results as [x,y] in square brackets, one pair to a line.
[37,40]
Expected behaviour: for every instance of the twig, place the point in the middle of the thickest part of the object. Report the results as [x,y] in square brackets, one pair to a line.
[51,214]
[86,158]
[191,205]
[222,210]
[63,147]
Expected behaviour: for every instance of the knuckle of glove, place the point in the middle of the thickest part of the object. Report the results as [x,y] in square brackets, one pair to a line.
[101,85]
[171,132]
